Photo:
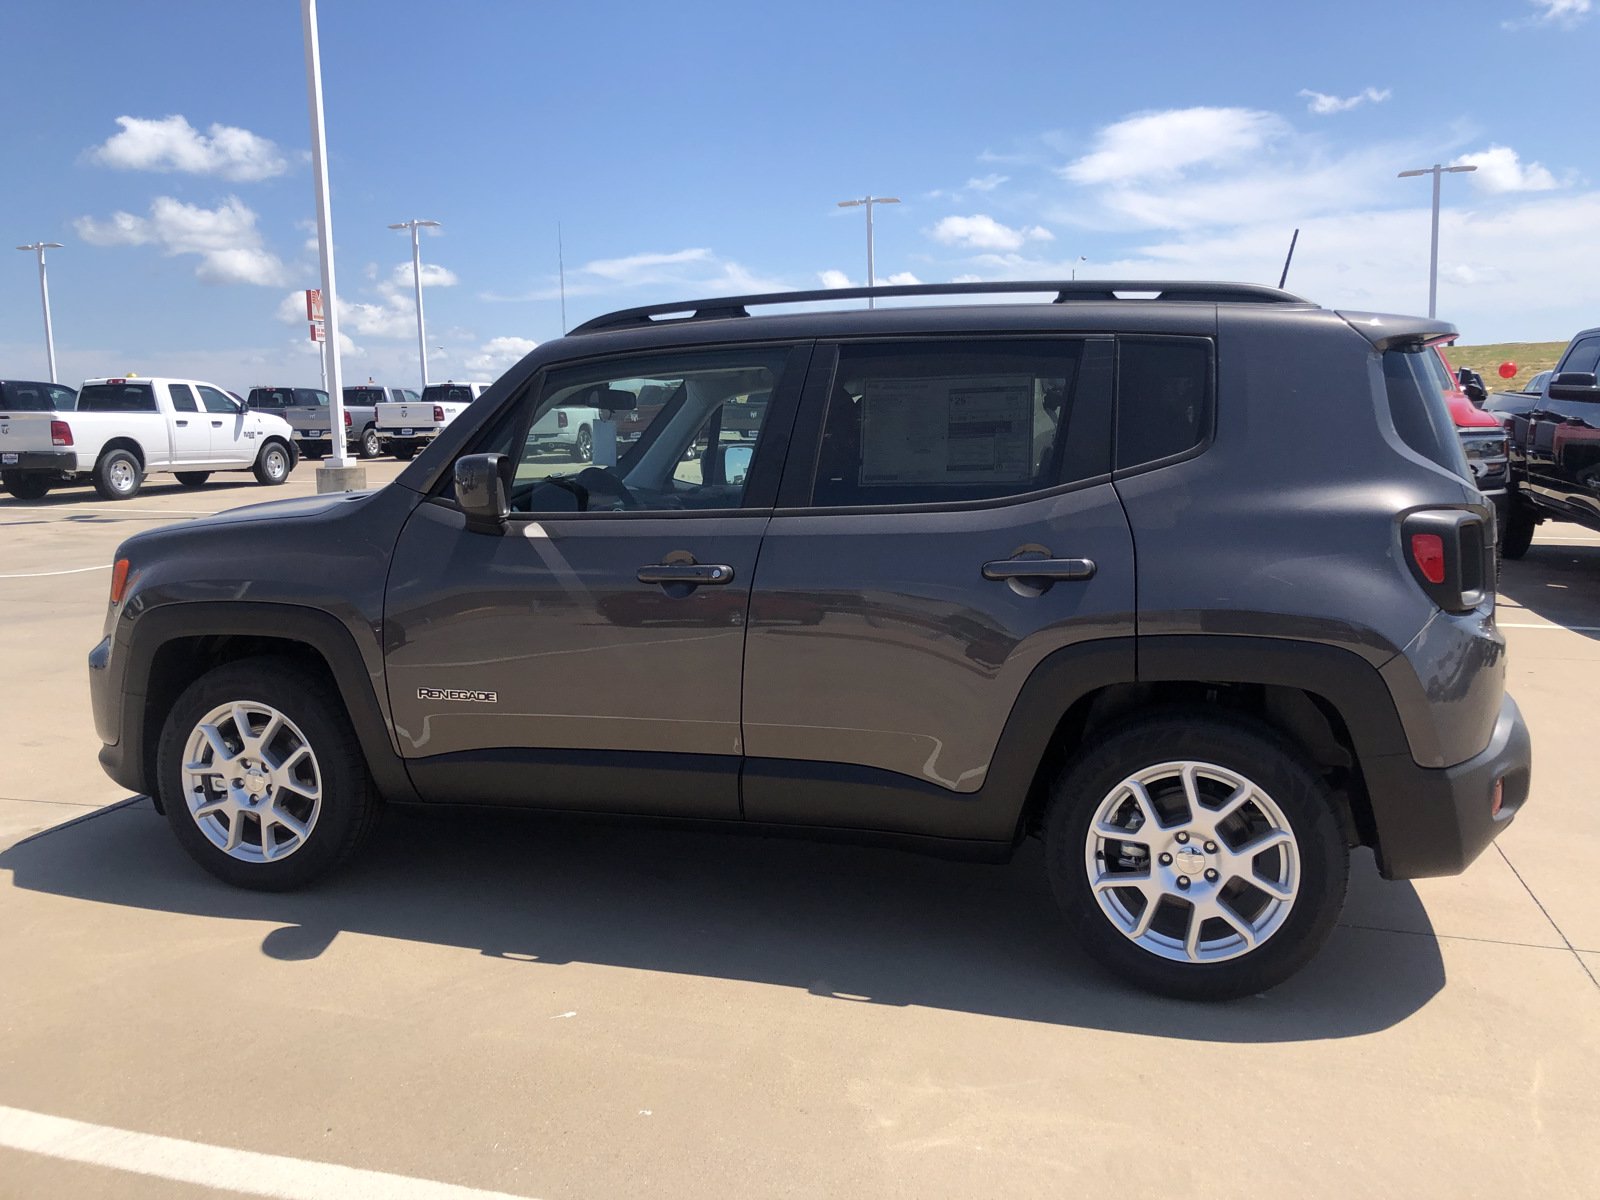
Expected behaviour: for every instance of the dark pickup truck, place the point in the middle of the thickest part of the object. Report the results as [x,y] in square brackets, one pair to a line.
[1555,448]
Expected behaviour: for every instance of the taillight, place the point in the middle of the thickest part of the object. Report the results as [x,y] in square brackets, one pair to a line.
[119,580]
[438,413]
[1427,551]
[561,420]
[347,420]
[1450,553]
[60,433]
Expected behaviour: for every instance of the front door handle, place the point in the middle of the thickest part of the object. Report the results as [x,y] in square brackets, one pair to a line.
[1039,568]
[216,424]
[693,574]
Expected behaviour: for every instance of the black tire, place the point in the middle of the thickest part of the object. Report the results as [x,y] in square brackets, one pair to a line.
[349,804]
[192,479]
[404,451]
[1250,750]
[1517,535]
[583,448]
[311,452]
[369,446]
[26,486]
[273,464]
[118,475]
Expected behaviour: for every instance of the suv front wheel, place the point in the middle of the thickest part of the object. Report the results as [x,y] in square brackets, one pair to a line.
[261,776]
[1196,855]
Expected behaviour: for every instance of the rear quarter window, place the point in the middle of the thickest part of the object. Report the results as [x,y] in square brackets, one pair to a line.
[1417,407]
[1164,398]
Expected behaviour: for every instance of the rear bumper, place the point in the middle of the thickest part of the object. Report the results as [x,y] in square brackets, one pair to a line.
[1436,821]
[41,460]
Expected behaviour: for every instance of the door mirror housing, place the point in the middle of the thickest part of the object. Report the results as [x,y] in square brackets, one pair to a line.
[1472,385]
[736,463]
[1574,385]
[483,485]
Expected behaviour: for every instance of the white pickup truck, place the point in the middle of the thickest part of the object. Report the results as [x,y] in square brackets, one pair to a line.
[123,429]
[405,428]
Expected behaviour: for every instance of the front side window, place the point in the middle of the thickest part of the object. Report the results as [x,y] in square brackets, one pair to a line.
[660,433]
[217,402]
[1163,398]
[936,423]
[1583,357]
[63,398]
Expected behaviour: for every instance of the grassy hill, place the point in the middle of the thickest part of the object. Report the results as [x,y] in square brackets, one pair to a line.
[1530,357]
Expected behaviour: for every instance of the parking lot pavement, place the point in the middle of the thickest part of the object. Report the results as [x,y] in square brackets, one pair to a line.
[556,1009]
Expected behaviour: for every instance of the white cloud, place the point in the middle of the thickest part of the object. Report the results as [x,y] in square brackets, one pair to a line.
[1500,169]
[172,144]
[225,238]
[832,278]
[497,354]
[900,278]
[688,273]
[1161,145]
[433,275]
[982,232]
[987,183]
[642,268]
[1322,104]
[1565,14]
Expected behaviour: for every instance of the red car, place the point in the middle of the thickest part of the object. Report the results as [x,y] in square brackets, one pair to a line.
[1482,437]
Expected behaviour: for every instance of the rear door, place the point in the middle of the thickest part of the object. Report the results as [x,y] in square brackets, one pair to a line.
[590,655]
[957,526]
[191,428]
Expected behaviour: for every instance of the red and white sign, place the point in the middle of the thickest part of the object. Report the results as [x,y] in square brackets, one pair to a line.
[314,305]
[316,332]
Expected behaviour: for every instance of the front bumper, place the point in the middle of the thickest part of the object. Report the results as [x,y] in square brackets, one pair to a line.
[1431,821]
[40,460]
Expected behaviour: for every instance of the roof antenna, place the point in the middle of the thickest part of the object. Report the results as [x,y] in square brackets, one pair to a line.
[561,266]
[1284,278]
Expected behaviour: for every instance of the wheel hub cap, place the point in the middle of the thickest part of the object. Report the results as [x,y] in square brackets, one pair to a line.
[251,782]
[1189,861]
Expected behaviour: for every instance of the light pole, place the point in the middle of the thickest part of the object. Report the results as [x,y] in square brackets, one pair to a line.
[337,474]
[869,201]
[1433,256]
[44,298]
[416,279]
[1075,262]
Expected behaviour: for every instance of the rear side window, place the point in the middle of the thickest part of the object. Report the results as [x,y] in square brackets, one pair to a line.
[1584,356]
[25,397]
[1417,407]
[182,397]
[936,423]
[1164,398]
[117,398]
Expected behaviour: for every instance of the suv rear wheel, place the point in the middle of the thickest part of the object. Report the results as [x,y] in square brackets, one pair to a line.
[1196,855]
[261,776]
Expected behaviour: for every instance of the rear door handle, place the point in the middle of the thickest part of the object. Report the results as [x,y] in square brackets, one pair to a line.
[693,574]
[1039,568]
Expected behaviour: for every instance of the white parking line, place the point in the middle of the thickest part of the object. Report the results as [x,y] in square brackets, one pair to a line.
[1542,625]
[68,571]
[216,1166]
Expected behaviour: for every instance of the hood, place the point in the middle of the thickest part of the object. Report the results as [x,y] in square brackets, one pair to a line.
[281,510]
[1467,415]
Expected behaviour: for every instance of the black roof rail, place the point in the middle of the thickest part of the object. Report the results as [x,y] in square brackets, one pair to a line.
[1067,292]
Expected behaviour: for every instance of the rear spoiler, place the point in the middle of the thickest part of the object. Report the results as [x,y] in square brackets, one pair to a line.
[1385,330]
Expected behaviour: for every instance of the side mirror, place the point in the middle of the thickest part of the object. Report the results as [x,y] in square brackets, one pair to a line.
[483,482]
[1475,391]
[736,463]
[1574,385]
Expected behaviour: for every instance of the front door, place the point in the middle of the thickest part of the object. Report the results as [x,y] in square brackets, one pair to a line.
[958,527]
[232,437]
[1563,437]
[590,656]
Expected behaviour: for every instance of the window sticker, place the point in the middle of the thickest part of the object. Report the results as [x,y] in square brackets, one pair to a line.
[945,430]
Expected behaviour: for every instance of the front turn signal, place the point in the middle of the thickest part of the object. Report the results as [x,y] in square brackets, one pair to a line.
[119,580]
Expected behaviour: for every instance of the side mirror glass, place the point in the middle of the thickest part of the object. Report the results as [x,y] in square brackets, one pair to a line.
[483,484]
[1574,385]
[736,463]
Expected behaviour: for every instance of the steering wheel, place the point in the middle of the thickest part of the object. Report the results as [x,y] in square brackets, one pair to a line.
[599,482]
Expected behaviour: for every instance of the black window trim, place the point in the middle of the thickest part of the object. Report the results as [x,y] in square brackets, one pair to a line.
[799,477]
[1208,437]
[772,446]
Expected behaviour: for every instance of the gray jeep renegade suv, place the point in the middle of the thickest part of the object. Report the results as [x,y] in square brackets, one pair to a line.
[1106,571]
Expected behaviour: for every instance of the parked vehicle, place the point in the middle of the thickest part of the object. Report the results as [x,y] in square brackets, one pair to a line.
[361,414]
[570,427]
[20,395]
[1482,437]
[1507,404]
[1555,447]
[305,409]
[405,427]
[121,430]
[985,573]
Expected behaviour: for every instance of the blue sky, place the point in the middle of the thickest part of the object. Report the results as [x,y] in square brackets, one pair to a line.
[699,148]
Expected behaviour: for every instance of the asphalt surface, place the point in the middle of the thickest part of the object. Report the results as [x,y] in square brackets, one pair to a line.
[553,1009]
